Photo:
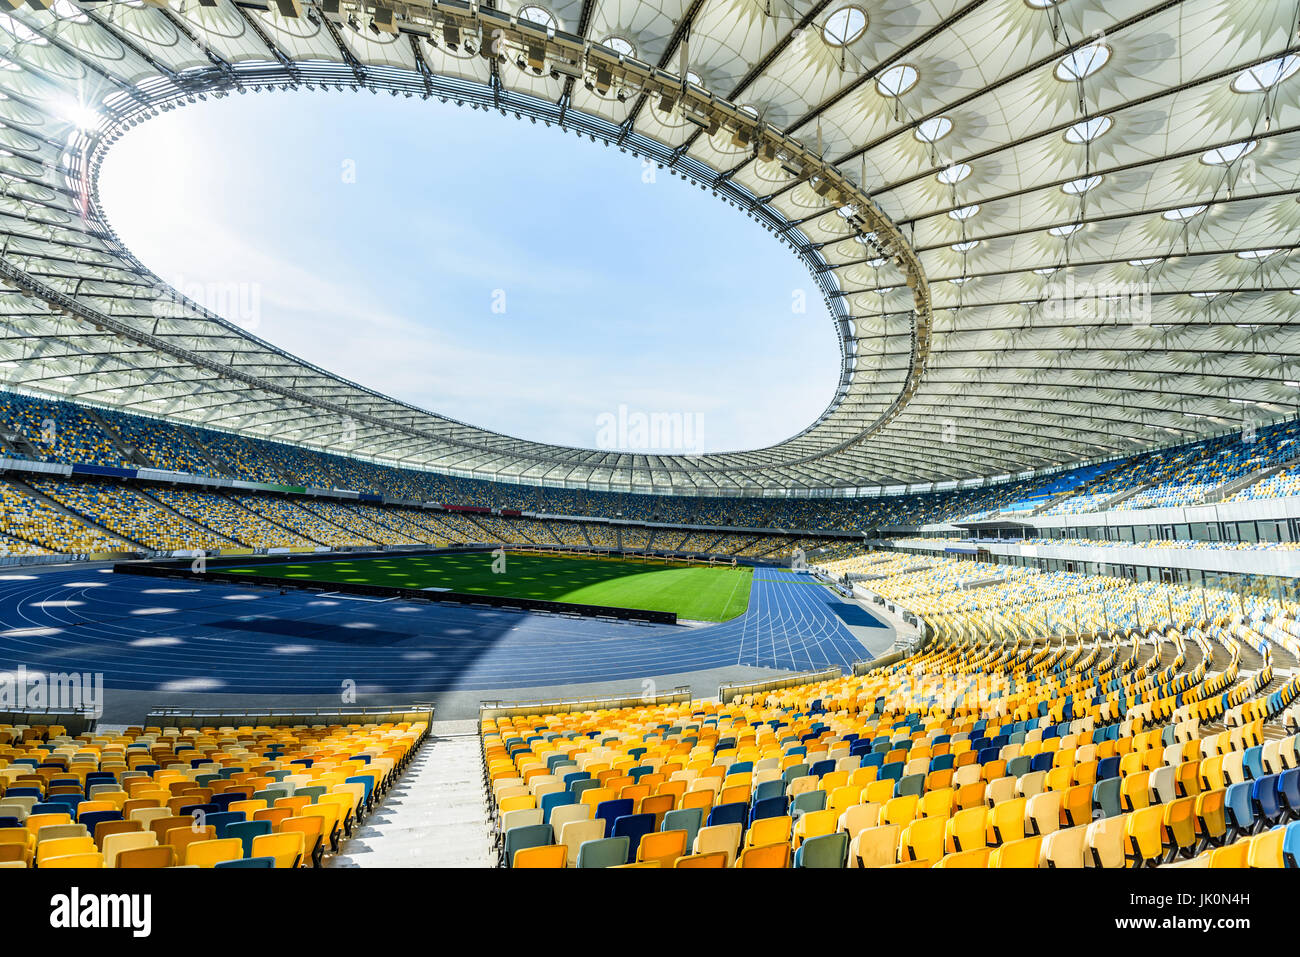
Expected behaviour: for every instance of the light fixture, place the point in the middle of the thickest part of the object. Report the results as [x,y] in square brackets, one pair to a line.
[1265,76]
[953,174]
[1082,63]
[1184,213]
[933,130]
[1225,155]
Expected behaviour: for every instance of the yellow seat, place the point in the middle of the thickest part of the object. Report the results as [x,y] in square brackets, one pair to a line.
[769,830]
[1134,790]
[1006,821]
[922,840]
[815,824]
[965,830]
[1266,849]
[1231,855]
[979,857]
[211,853]
[91,859]
[1142,836]
[1022,853]
[900,810]
[65,845]
[286,848]
[938,803]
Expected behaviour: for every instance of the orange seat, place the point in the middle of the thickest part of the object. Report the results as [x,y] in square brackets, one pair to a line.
[766,855]
[164,855]
[716,859]
[662,846]
[545,856]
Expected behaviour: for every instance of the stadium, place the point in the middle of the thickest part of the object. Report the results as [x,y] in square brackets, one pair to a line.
[1022,595]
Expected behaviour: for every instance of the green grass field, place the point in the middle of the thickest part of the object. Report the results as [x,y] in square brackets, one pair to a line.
[699,593]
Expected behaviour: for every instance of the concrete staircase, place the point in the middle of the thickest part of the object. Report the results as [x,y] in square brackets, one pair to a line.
[130,456]
[1229,489]
[74,515]
[436,815]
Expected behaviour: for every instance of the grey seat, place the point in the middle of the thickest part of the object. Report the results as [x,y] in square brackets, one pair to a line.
[606,852]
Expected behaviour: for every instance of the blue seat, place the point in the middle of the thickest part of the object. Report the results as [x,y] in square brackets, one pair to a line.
[559,758]
[530,835]
[366,782]
[1263,794]
[1107,768]
[1288,790]
[733,813]
[1291,845]
[942,763]
[633,827]
[223,819]
[224,801]
[873,760]
[245,831]
[892,771]
[987,754]
[741,767]
[768,807]
[8,821]
[256,862]
[1240,809]
[553,800]
[50,808]
[98,817]
[768,789]
[24,792]
[687,819]
[822,768]
[611,811]
[1253,762]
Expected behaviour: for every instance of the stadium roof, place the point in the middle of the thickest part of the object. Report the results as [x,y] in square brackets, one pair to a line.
[1046,232]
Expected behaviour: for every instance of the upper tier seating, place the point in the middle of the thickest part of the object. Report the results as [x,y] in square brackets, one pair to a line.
[62,432]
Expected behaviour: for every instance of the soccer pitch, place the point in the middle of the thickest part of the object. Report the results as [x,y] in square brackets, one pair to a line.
[700,593]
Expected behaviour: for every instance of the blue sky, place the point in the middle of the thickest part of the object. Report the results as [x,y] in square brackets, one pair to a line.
[374,236]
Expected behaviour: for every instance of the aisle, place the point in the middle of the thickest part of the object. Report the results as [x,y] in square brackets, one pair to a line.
[436,815]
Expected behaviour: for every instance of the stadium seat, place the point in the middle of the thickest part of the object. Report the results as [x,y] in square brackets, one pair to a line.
[603,852]
[823,851]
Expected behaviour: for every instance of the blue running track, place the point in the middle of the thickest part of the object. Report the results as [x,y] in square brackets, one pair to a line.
[148,634]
